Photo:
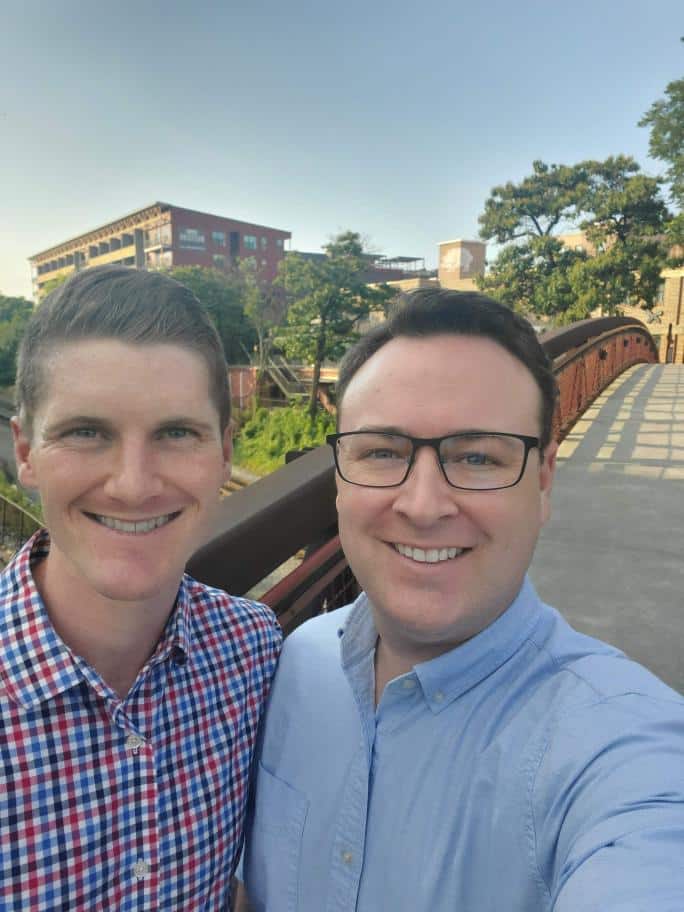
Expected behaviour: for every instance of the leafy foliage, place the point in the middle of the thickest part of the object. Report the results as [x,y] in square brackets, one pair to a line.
[221,294]
[536,206]
[14,315]
[268,435]
[622,215]
[328,298]
[665,117]
[265,306]
[10,491]
[52,284]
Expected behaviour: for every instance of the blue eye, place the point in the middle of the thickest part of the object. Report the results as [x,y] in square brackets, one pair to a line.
[84,433]
[476,459]
[179,433]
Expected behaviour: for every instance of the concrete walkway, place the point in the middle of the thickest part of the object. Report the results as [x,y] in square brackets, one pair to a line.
[611,559]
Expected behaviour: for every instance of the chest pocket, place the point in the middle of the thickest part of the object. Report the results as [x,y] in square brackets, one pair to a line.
[274,844]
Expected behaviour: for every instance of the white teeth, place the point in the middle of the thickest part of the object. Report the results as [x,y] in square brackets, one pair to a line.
[431,555]
[145,525]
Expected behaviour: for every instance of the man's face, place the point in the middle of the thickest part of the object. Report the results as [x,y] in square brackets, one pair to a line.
[432,387]
[128,456]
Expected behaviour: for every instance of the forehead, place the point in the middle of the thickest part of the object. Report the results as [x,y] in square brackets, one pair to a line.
[99,372]
[437,384]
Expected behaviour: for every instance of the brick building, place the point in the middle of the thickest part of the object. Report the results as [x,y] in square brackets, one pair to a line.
[160,236]
[672,340]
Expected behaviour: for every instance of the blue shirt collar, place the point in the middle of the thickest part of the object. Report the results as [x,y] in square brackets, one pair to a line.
[447,677]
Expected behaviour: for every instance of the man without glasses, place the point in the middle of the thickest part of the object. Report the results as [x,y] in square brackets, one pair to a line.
[448,741]
[129,693]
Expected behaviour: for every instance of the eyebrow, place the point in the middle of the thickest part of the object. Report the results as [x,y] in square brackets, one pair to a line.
[63,423]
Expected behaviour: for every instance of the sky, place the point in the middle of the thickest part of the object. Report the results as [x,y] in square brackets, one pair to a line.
[391,119]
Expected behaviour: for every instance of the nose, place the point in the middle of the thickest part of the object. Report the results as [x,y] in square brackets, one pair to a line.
[426,496]
[133,477]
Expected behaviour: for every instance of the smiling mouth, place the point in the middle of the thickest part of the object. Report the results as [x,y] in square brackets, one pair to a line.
[429,555]
[140,527]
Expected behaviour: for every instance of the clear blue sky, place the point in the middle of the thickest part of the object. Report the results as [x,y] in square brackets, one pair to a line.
[392,119]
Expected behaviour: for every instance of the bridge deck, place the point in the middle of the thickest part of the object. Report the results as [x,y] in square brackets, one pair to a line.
[611,557]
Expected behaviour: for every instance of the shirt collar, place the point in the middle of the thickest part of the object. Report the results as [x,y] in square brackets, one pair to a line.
[450,675]
[35,663]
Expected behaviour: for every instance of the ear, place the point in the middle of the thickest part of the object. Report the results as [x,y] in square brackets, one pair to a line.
[23,454]
[227,445]
[547,471]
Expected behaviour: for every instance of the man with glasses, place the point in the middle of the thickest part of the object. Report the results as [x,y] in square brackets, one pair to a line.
[448,741]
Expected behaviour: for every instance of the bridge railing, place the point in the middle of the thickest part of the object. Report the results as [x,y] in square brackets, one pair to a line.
[293,510]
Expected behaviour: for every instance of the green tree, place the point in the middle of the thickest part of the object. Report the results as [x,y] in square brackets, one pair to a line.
[328,298]
[14,315]
[531,276]
[536,206]
[623,215]
[51,284]
[264,304]
[665,118]
[221,294]
[626,223]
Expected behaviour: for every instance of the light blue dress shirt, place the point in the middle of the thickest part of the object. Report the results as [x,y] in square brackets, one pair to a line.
[532,768]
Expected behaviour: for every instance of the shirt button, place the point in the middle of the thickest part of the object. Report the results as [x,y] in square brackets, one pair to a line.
[408,683]
[141,869]
[438,696]
[134,743]
[347,857]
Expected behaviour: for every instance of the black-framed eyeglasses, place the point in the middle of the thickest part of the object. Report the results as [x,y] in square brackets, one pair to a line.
[472,461]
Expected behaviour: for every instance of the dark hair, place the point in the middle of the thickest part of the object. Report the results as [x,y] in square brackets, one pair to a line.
[118,302]
[434,312]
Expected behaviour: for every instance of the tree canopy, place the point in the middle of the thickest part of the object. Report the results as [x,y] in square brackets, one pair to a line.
[665,118]
[623,216]
[14,315]
[264,304]
[221,294]
[328,297]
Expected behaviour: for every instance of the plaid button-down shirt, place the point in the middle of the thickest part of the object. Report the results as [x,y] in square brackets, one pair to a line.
[135,804]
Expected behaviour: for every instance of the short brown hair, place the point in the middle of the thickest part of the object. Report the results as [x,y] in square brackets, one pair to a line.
[118,302]
[435,312]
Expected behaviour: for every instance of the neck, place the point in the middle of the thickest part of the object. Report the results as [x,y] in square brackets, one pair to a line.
[395,656]
[115,638]
[391,661]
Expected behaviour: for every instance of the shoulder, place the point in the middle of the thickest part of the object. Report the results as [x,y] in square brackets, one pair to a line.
[240,619]
[581,670]
[318,637]
[602,710]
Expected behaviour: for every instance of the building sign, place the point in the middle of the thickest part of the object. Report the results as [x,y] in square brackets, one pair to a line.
[191,239]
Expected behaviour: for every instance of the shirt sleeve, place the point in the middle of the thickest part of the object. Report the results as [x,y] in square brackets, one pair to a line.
[608,808]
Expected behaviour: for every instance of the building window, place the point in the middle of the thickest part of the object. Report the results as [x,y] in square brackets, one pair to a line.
[218,238]
[249,242]
[264,243]
[279,243]
[219,260]
[191,239]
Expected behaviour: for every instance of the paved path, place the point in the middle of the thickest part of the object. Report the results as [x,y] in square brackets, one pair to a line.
[612,556]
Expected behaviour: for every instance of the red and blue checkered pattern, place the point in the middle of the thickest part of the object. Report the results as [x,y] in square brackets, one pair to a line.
[136,804]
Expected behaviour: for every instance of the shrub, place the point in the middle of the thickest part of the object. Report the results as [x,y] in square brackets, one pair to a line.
[269,434]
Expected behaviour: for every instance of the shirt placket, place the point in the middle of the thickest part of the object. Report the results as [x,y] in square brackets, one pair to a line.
[346,864]
[140,858]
